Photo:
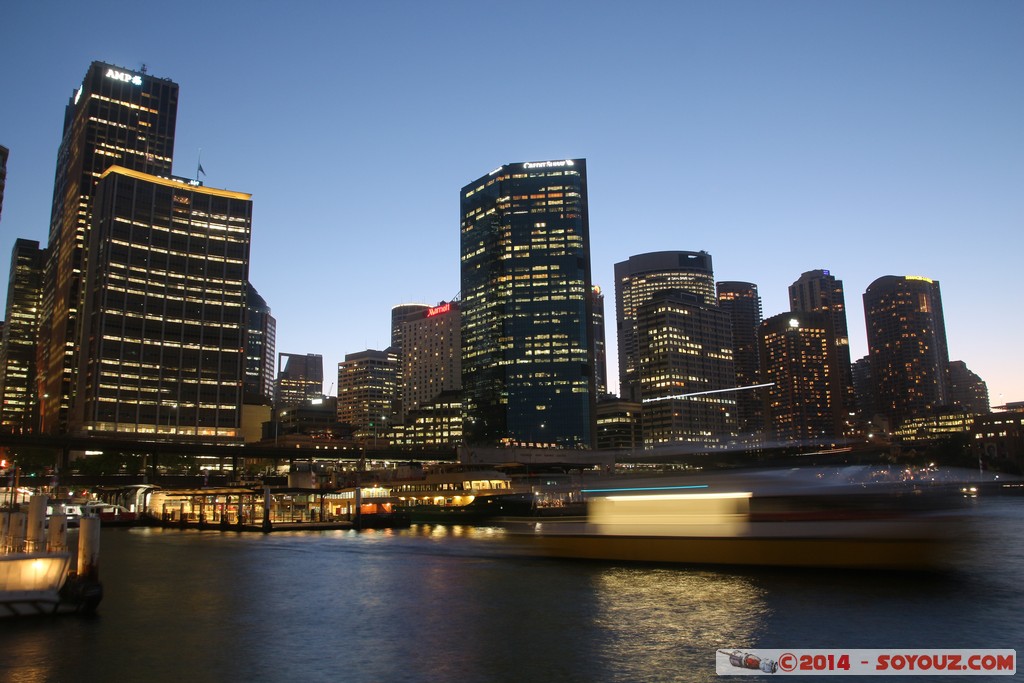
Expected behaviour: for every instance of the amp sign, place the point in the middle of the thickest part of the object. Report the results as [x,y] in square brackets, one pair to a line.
[122,76]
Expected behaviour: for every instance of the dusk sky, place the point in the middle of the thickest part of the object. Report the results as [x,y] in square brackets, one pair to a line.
[866,138]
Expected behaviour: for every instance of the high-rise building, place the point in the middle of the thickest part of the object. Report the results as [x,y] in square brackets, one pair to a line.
[743,304]
[300,377]
[163,325]
[400,314]
[619,425]
[967,390]
[4,152]
[20,412]
[527,346]
[117,117]
[907,345]
[366,391]
[260,347]
[686,372]
[600,353]
[804,403]
[431,356]
[864,389]
[637,280]
[818,291]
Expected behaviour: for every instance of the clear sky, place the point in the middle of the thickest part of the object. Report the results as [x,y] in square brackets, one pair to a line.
[866,138]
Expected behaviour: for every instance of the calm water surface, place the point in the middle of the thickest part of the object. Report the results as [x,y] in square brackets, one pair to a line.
[452,604]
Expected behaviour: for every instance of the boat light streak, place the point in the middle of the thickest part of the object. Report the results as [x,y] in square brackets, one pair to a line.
[684,496]
[651,488]
[711,391]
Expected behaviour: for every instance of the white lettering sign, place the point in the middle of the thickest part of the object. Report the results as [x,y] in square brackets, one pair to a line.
[548,164]
[122,76]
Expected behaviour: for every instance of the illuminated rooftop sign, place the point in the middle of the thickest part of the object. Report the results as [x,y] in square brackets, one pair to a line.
[122,76]
[439,310]
[549,164]
[919,277]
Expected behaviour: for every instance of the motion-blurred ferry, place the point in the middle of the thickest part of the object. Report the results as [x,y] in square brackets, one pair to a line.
[869,518]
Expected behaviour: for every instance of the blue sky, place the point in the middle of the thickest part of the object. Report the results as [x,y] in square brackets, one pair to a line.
[867,138]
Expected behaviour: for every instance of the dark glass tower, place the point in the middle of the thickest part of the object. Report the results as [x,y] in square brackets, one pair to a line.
[637,280]
[117,117]
[527,330]
[260,347]
[20,412]
[163,350]
[907,347]
[818,291]
[300,377]
[743,304]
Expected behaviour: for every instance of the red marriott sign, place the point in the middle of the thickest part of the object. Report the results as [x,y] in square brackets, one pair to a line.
[439,310]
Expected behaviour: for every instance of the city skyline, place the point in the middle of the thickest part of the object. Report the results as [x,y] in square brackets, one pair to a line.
[866,139]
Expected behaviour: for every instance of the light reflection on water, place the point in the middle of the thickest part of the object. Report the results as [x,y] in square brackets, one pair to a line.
[436,603]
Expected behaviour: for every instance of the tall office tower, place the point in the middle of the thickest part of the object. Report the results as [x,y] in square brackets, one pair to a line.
[399,315]
[431,357]
[636,281]
[600,353]
[686,362]
[117,117]
[527,346]
[967,390]
[260,347]
[819,291]
[4,152]
[800,359]
[20,412]
[619,426]
[863,388]
[163,325]
[907,345]
[743,304]
[366,391]
[300,377]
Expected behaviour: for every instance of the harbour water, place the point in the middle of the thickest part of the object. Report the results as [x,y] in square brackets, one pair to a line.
[447,604]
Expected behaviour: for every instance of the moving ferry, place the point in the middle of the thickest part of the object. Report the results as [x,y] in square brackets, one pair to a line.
[796,518]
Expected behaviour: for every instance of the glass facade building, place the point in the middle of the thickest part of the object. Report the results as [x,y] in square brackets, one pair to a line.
[637,280]
[799,358]
[117,117]
[20,412]
[527,331]
[907,346]
[260,348]
[300,378]
[743,304]
[687,372]
[163,349]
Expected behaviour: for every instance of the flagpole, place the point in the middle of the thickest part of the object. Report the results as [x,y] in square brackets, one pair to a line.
[199,164]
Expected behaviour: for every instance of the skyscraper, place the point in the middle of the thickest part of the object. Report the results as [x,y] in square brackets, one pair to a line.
[684,354]
[260,347]
[818,291]
[799,358]
[20,412]
[431,357]
[966,389]
[527,333]
[117,117]
[366,391]
[907,346]
[4,152]
[600,354]
[163,322]
[743,304]
[300,377]
[636,281]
